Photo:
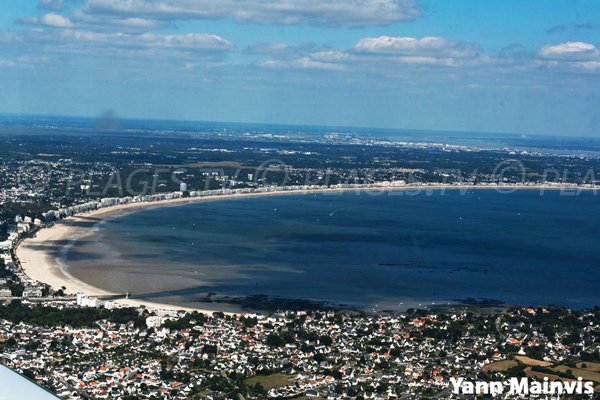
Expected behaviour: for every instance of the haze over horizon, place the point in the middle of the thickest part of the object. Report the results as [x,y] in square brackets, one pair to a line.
[500,66]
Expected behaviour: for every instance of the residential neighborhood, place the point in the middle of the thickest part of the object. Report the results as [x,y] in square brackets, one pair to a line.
[329,355]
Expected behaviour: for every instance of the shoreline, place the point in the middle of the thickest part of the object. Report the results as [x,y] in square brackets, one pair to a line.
[39,256]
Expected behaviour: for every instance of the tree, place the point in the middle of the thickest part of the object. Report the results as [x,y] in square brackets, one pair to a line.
[274,340]
[259,388]
[325,340]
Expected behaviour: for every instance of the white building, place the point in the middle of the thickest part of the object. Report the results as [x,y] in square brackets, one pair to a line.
[183,187]
[22,227]
[155,321]
[32,292]
[86,301]
[5,257]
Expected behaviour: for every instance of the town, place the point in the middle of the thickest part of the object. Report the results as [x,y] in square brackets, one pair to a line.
[123,354]
[81,346]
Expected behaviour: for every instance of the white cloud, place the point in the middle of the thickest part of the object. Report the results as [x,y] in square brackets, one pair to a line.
[354,13]
[390,56]
[570,51]
[190,41]
[409,46]
[332,56]
[56,20]
[139,23]
[384,54]
[303,63]
[570,56]
[115,47]
[107,23]
[426,60]
[51,20]
[391,51]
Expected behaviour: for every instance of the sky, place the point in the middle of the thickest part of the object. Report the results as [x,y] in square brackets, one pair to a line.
[514,66]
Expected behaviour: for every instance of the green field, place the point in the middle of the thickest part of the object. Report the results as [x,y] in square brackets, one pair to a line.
[270,381]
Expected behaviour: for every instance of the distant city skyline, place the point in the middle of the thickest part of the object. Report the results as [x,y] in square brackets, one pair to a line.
[514,66]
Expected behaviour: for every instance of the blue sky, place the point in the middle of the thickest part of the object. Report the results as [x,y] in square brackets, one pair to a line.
[528,67]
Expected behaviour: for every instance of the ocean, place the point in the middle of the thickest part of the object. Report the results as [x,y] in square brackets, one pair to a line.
[364,250]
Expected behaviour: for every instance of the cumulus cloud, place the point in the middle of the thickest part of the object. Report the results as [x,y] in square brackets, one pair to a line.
[56,20]
[127,38]
[50,20]
[354,13]
[300,57]
[385,53]
[116,47]
[409,46]
[191,41]
[580,56]
[128,23]
[570,51]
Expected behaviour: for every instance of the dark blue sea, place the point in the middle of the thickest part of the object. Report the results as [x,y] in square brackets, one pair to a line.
[386,250]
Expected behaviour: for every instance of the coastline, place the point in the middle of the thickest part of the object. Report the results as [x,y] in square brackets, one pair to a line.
[39,255]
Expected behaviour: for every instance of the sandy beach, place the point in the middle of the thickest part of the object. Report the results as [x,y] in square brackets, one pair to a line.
[39,255]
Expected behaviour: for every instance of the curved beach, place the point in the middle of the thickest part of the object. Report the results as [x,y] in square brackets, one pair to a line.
[39,256]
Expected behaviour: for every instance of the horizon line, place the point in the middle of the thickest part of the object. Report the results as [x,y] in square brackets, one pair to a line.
[298,125]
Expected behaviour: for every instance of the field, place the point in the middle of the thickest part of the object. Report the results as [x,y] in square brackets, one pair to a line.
[537,374]
[589,366]
[586,373]
[500,366]
[270,381]
[532,362]
[537,368]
